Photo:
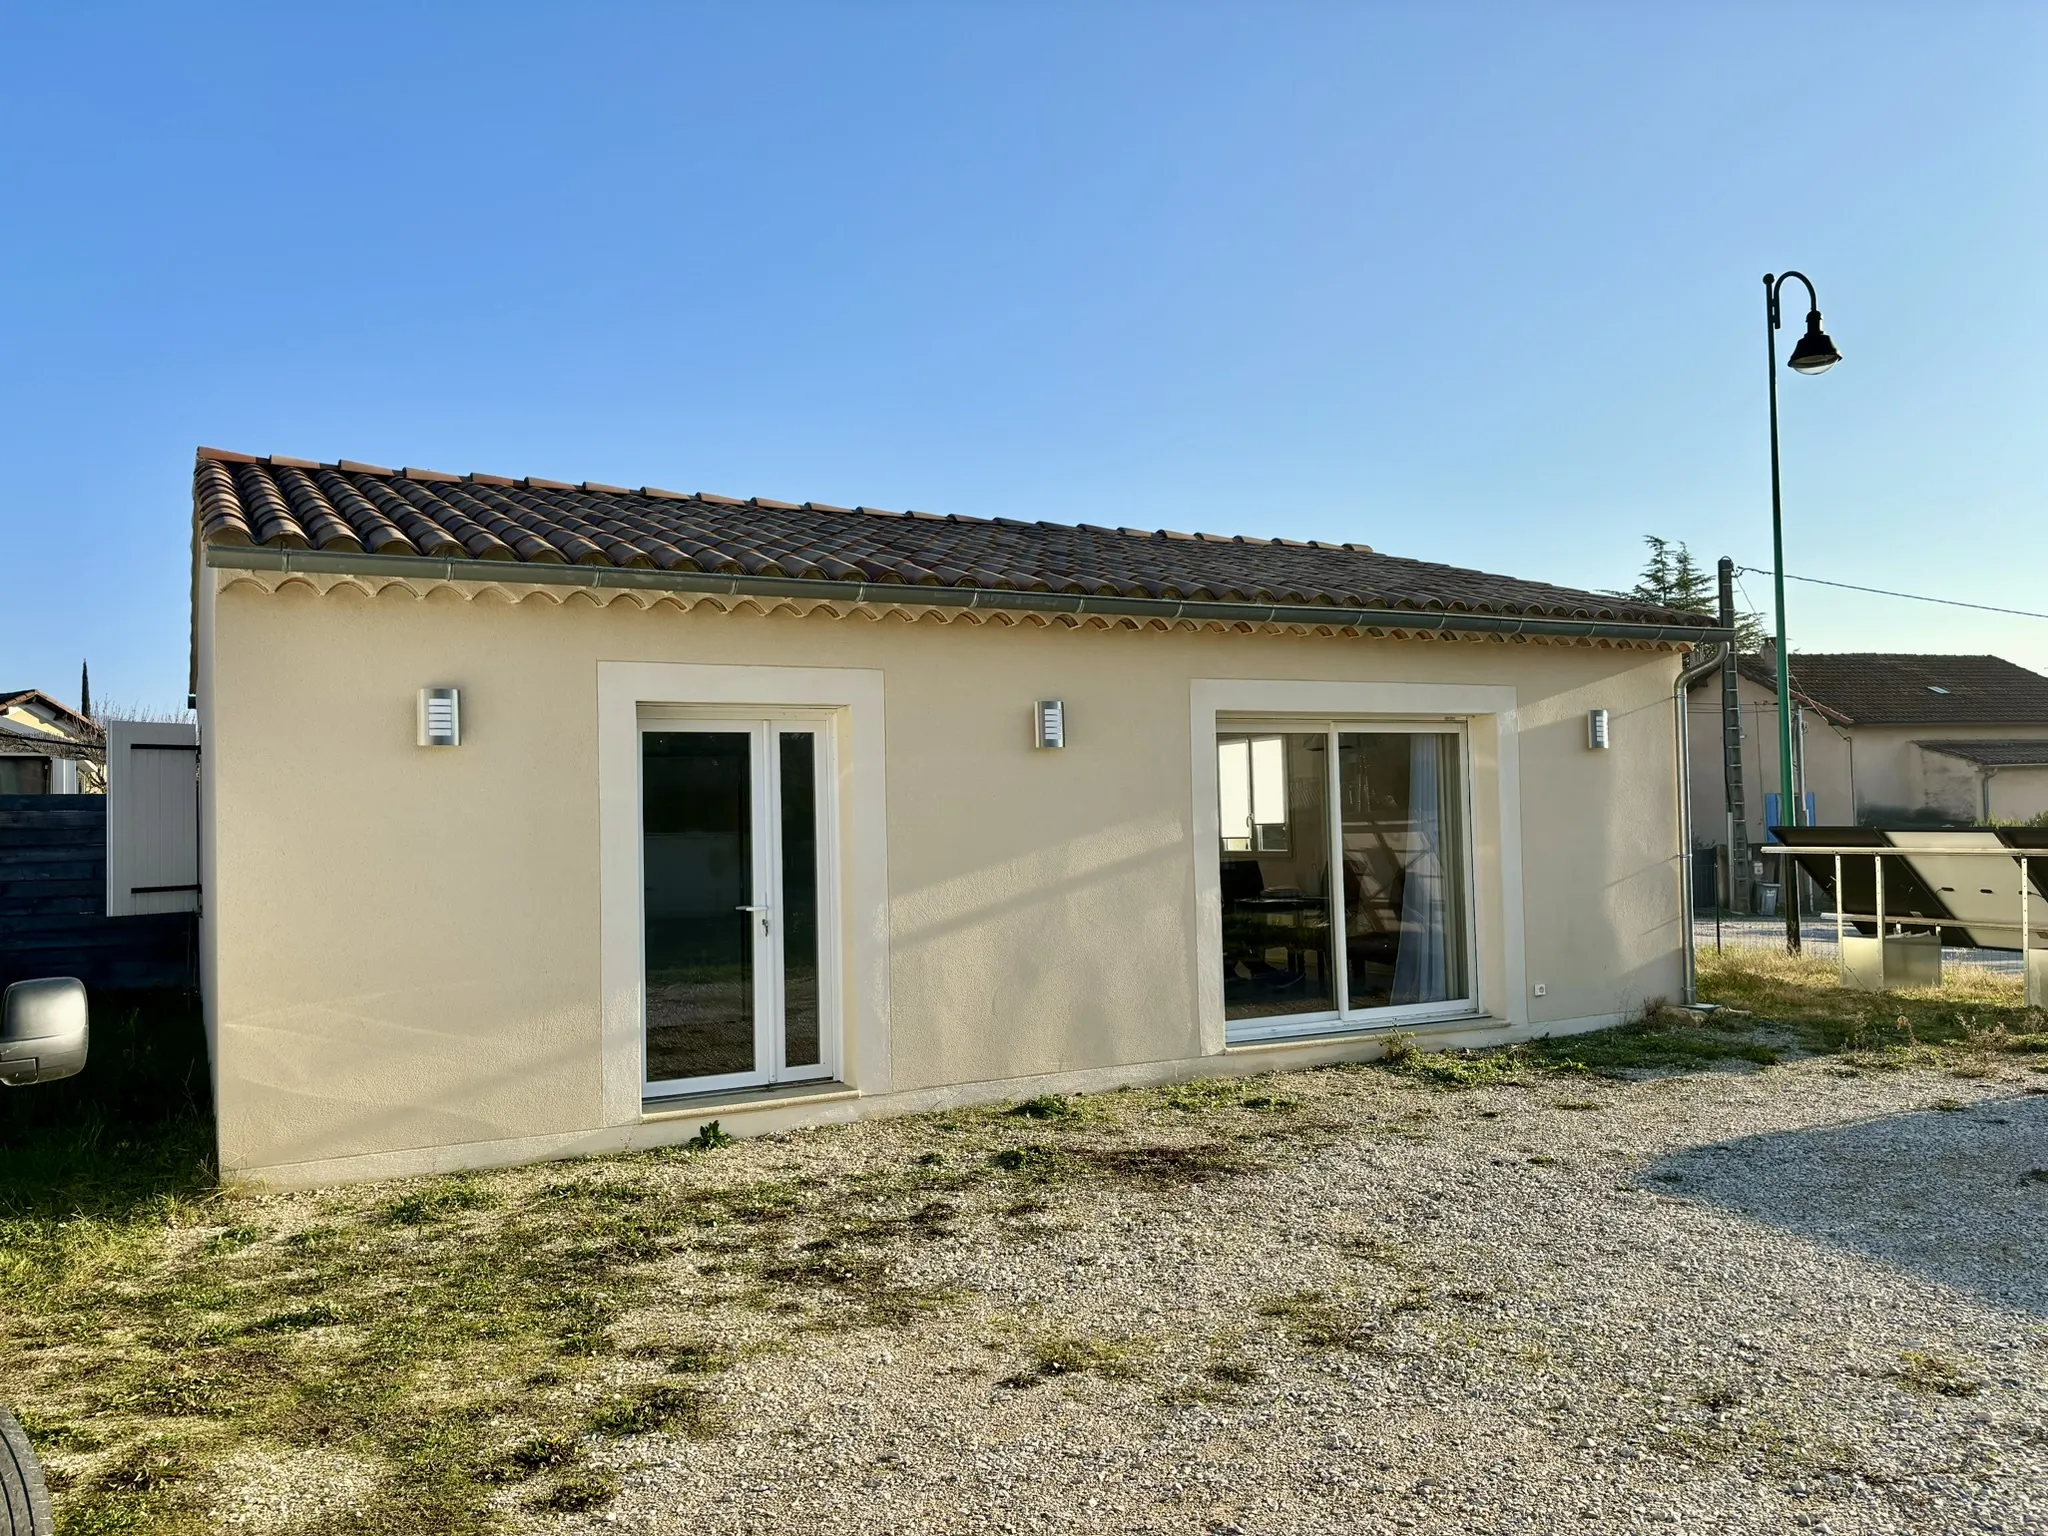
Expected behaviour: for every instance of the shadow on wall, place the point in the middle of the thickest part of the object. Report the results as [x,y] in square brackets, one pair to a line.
[1903,817]
[1956,1197]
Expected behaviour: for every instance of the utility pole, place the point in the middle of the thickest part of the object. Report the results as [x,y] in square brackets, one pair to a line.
[1731,752]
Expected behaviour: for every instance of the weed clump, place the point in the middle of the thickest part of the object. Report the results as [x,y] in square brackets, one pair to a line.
[1047,1106]
[709,1138]
[1077,1355]
[437,1202]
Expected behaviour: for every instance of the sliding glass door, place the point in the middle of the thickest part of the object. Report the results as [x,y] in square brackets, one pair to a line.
[1344,878]
[732,821]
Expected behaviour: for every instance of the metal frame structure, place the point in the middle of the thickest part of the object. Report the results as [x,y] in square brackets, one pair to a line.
[2023,857]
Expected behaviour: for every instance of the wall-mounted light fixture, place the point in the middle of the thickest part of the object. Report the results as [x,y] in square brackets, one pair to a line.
[1596,730]
[1052,723]
[440,717]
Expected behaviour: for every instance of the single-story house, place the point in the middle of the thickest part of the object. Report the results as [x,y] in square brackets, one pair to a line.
[543,819]
[47,747]
[1887,740]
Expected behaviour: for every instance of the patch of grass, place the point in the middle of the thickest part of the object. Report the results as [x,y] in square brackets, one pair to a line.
[437,1202]
[1972,1013]
[1209,1094]
[1078,1355]
[1455,1069]
[1318,1320]
[530,1458]
[320,1316]
[1659,1038]
[680,1410]
[697,1359]
[1202,1095]
[1920,1371]
[1047,1106]
[583,1490]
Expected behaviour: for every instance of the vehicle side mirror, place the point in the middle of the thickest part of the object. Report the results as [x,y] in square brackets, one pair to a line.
[42,1031]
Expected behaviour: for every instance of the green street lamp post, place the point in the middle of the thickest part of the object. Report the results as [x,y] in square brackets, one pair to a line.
[1814,354]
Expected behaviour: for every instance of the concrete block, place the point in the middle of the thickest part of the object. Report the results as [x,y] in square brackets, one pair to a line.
[1884,965]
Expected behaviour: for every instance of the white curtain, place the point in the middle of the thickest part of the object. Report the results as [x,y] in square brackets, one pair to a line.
[1422,966]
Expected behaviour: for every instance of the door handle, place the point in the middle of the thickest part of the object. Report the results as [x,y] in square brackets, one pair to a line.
[764,911]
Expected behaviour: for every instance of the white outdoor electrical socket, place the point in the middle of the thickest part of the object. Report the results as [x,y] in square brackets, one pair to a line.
[1542,990]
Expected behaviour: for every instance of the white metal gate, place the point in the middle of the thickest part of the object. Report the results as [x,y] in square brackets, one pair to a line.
[152,818]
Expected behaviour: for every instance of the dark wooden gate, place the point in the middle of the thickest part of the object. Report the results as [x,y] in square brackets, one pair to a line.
[53,902]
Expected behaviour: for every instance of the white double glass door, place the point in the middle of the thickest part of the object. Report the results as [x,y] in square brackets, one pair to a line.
[734,819]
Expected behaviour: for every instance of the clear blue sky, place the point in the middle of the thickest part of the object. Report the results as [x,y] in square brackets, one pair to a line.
[1478,284]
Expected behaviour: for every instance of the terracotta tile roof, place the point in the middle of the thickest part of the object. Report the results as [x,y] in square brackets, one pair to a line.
[371,510]
[1992,754]
[1872,688]
[1763,672]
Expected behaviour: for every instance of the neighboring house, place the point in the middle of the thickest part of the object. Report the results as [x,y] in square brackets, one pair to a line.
[46,748]
[1888,739]
[544,819]
[1984,781]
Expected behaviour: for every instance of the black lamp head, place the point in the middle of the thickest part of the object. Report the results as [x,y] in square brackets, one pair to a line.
[1816,353]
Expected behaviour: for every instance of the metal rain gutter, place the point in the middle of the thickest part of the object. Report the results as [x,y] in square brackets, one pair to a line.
[313,562]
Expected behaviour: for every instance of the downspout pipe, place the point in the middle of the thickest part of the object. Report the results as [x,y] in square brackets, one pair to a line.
[1704,663]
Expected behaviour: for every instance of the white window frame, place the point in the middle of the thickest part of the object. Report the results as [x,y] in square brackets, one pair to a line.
[848,703]
[764,730]
[1483,717]
[1344,1018]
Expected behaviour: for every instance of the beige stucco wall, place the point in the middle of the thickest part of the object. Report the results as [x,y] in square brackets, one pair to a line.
[2019,794]
[404,945]
[1889,768]
[1828,761]
[1957,787]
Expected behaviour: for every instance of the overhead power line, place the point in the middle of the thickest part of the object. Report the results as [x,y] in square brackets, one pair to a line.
[1917,597]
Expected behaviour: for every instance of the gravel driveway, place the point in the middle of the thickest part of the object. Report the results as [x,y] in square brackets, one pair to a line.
[1729,1301]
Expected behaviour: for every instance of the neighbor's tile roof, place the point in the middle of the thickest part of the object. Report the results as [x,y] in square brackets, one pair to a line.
[1880,689]
[297,504]
[1993,754]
